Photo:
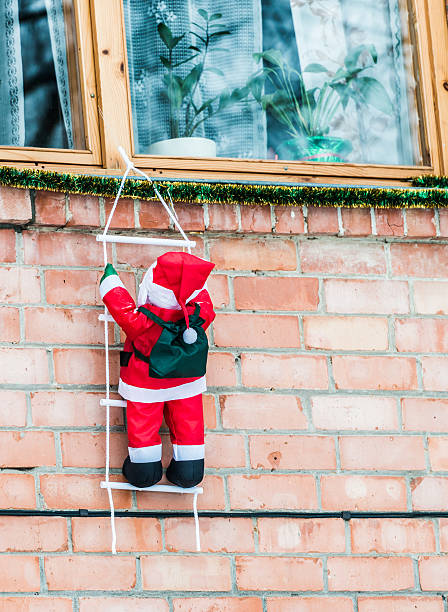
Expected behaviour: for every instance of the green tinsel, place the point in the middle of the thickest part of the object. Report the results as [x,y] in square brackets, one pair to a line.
[431,181]
[234,193]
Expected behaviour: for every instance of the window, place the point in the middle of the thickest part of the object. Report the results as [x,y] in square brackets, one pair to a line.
[272,89]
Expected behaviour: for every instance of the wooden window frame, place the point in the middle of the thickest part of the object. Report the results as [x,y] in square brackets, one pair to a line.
[106,99]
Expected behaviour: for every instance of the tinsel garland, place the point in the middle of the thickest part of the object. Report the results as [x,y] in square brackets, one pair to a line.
[431,181]
[196,192]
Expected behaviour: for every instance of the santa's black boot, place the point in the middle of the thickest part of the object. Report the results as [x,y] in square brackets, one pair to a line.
[185,473]
[142,474]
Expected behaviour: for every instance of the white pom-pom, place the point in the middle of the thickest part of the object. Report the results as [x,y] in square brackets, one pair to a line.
[190,335]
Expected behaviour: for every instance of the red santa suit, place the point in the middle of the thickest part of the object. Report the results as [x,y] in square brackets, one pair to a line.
[173,289]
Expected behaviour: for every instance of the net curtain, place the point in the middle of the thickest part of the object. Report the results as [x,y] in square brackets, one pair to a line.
[12,95]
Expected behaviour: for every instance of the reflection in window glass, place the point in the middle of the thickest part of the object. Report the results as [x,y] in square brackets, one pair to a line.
[39,90]
[314,80]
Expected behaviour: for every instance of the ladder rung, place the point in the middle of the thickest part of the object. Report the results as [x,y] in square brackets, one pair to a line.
[118,403]
[143,240]
[107,318]
[156,488]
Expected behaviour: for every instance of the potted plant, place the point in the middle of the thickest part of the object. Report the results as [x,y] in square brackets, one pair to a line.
[187,111]
[307,114]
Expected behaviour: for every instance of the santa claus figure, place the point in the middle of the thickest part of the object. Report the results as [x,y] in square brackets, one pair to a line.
[163,363]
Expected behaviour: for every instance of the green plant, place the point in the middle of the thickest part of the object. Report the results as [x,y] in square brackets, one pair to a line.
[308,113]
[187,113]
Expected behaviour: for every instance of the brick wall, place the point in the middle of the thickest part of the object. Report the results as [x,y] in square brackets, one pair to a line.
[327,391]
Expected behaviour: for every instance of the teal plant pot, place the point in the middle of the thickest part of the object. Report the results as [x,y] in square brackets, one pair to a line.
[316,149]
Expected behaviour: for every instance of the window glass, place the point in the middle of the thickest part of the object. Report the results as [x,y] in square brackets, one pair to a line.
[314,80]
[39,88]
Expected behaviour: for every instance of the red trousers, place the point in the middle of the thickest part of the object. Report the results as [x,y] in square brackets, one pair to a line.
[185,421]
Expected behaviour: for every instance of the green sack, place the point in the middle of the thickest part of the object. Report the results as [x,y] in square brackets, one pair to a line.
[171,357]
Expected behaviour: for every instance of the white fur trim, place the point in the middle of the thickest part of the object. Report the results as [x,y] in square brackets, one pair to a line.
[145,454]
[139,394]
[188,452]
[110,282]
[158,295]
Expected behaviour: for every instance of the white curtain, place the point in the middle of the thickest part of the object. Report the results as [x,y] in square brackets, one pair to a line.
[12,102]
[240,130]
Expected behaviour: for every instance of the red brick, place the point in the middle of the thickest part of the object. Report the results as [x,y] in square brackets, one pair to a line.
[17,491]
[443,529]
[186,573]
[420,223]
[415,259]
[443,222]
[284,371]
[272,491]
[27,449]
[389,222]
[278,574]
[121,604]
[363,493]
[262,411]
[211,499]
[15,205]
[356,221]
[287,535]
[421,335]
[435,372]
[152,215]
[9,324]
[309,604]
[224,451]
[61,249]
[269,293]
[322,220]
[431,297]
[36,604]
[256,219]
[433,573]
[19,285]
[218,604]
[219,290]
[209,408]
[342,257]
[425,414]
[346,333]
[256,331]
[190,216]
[19,574]
[429,493]
[123,217]
[382,453]
[143,256]
[292,452]
[400,604]
[67,491]
[222,217]
[7,245]
[253,254]
[221,370]
[217,535]
[33,534]
[438,456]
[71,409]
[23,366]
[392,535]
[366,296]
[353,412]
[80,449]
[79,287]
[289,220]
[50,208]
[370,574]
[383,373]
[92,534]
[13,409]
[63,326]
[79,573]
[84,366]
[84,211]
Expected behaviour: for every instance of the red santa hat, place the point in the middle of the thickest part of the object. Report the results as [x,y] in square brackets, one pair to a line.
[174,280]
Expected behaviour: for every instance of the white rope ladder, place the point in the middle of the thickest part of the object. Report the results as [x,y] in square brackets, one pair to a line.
[107,402]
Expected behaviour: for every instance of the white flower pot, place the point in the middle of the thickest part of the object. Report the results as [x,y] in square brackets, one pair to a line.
[184,147]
